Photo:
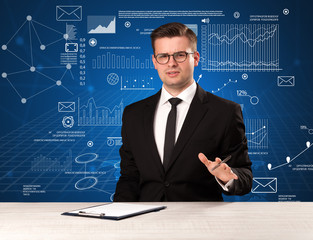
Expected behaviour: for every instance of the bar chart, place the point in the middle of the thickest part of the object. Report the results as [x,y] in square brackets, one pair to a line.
[48,164]
[115,61]
[93,115]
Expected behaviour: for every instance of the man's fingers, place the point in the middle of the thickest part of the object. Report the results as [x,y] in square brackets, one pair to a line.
[209,164]
[233,175]
[218,160]
[204,160]
[202,157]
[223,167]
[223,172]
[226,168]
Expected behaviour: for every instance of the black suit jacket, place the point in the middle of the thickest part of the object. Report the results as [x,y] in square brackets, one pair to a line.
[213,126]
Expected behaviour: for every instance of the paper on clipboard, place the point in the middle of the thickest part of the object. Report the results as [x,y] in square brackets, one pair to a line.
[115,211]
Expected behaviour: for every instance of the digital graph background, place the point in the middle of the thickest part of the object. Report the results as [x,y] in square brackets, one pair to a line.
[62,96]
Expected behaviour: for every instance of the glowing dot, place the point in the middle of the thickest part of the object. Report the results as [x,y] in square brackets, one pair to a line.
[286,11]
[308,144]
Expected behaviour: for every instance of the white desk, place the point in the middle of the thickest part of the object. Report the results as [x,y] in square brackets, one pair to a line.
[205,220]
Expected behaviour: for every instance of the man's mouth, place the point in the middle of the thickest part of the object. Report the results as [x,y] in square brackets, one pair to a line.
[172,73]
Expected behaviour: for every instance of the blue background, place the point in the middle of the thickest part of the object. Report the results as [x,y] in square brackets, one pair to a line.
[30,132]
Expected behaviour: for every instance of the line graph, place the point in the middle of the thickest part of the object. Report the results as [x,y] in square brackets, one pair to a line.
[243,47]
[225,85]
[257,133]
[289,159]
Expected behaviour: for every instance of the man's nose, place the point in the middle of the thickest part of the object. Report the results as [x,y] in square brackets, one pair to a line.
[172,62]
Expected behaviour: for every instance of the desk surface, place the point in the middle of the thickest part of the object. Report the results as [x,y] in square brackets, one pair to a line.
[187,220]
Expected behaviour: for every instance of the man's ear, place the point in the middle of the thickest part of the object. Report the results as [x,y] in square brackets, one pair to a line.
[196,57]
[154,61]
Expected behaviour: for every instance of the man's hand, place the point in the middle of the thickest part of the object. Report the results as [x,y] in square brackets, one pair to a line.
[223,172]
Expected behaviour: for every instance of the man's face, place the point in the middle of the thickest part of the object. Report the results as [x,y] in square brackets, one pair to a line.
[175,76]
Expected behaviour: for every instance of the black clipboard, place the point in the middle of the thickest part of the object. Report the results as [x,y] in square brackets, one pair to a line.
[114,211]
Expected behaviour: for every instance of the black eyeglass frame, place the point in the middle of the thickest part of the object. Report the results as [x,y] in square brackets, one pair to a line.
[174,54]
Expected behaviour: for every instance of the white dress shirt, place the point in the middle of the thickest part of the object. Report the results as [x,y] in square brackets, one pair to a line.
[160,119]
[162,110]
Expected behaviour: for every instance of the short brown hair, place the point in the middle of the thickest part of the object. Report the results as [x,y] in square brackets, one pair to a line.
[174,29]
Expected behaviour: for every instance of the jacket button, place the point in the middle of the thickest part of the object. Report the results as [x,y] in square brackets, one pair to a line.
[166,184]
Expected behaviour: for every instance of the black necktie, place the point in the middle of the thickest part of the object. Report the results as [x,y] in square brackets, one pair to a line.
[169,141]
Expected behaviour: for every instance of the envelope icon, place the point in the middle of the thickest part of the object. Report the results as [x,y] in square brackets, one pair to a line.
[71,47]
[264,185]
[69,13]
[66,106]
[286,81]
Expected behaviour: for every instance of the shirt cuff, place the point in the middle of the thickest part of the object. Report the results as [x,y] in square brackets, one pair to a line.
[227,185]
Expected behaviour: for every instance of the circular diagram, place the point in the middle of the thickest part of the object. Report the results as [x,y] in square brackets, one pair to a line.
[86,158]
[244,76]
[112,78]
[127,24]
[68,121]
[90,143]
[286,11]
[86,183]
[93,42]
[236,14]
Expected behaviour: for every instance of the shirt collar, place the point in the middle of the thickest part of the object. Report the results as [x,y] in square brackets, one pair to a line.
[186,95]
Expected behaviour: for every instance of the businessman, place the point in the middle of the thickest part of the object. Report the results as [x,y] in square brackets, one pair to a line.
[175,140]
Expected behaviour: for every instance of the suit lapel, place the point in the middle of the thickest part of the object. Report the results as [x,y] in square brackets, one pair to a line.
[195,114]
[148,128]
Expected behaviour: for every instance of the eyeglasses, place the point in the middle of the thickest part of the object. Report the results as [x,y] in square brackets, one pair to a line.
[163,58]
